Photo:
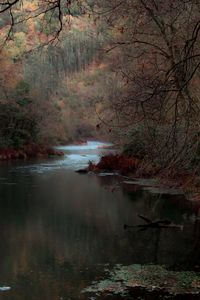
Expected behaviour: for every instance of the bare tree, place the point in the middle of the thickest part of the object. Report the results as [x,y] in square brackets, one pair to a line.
[46,9]
[158,59]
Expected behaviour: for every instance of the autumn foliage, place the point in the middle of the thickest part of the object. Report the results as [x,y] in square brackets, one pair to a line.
[123,164]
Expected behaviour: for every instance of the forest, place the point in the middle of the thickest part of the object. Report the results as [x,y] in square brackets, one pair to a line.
[109,89]
[60,58]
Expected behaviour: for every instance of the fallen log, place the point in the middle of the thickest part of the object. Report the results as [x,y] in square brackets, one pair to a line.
[154,224]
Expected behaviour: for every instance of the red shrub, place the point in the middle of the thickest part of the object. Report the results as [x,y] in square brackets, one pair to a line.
[121,163]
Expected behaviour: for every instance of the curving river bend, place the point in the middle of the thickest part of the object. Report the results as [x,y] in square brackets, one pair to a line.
[59,229]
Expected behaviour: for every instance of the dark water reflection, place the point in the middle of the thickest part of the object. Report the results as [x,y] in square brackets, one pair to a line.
[59,229]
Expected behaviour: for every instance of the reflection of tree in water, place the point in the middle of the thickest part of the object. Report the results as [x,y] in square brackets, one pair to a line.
[193,258]
[109,182]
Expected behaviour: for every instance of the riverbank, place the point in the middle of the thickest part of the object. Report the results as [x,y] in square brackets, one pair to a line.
[135,168]
[28,151]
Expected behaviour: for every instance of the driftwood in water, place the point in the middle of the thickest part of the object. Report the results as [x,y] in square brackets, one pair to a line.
[82,171]
[154,224]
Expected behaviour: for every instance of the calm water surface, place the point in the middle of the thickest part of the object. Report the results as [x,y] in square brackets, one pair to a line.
[59,229]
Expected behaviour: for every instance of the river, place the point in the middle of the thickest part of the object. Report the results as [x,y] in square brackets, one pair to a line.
[59,229]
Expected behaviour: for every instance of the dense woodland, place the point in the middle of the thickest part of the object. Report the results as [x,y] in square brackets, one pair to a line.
[126,71]
[39,102]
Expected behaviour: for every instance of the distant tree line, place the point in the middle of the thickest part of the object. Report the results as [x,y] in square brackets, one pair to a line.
[33,78]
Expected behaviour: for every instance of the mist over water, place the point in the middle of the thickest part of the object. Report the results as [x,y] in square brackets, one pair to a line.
[75,157]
